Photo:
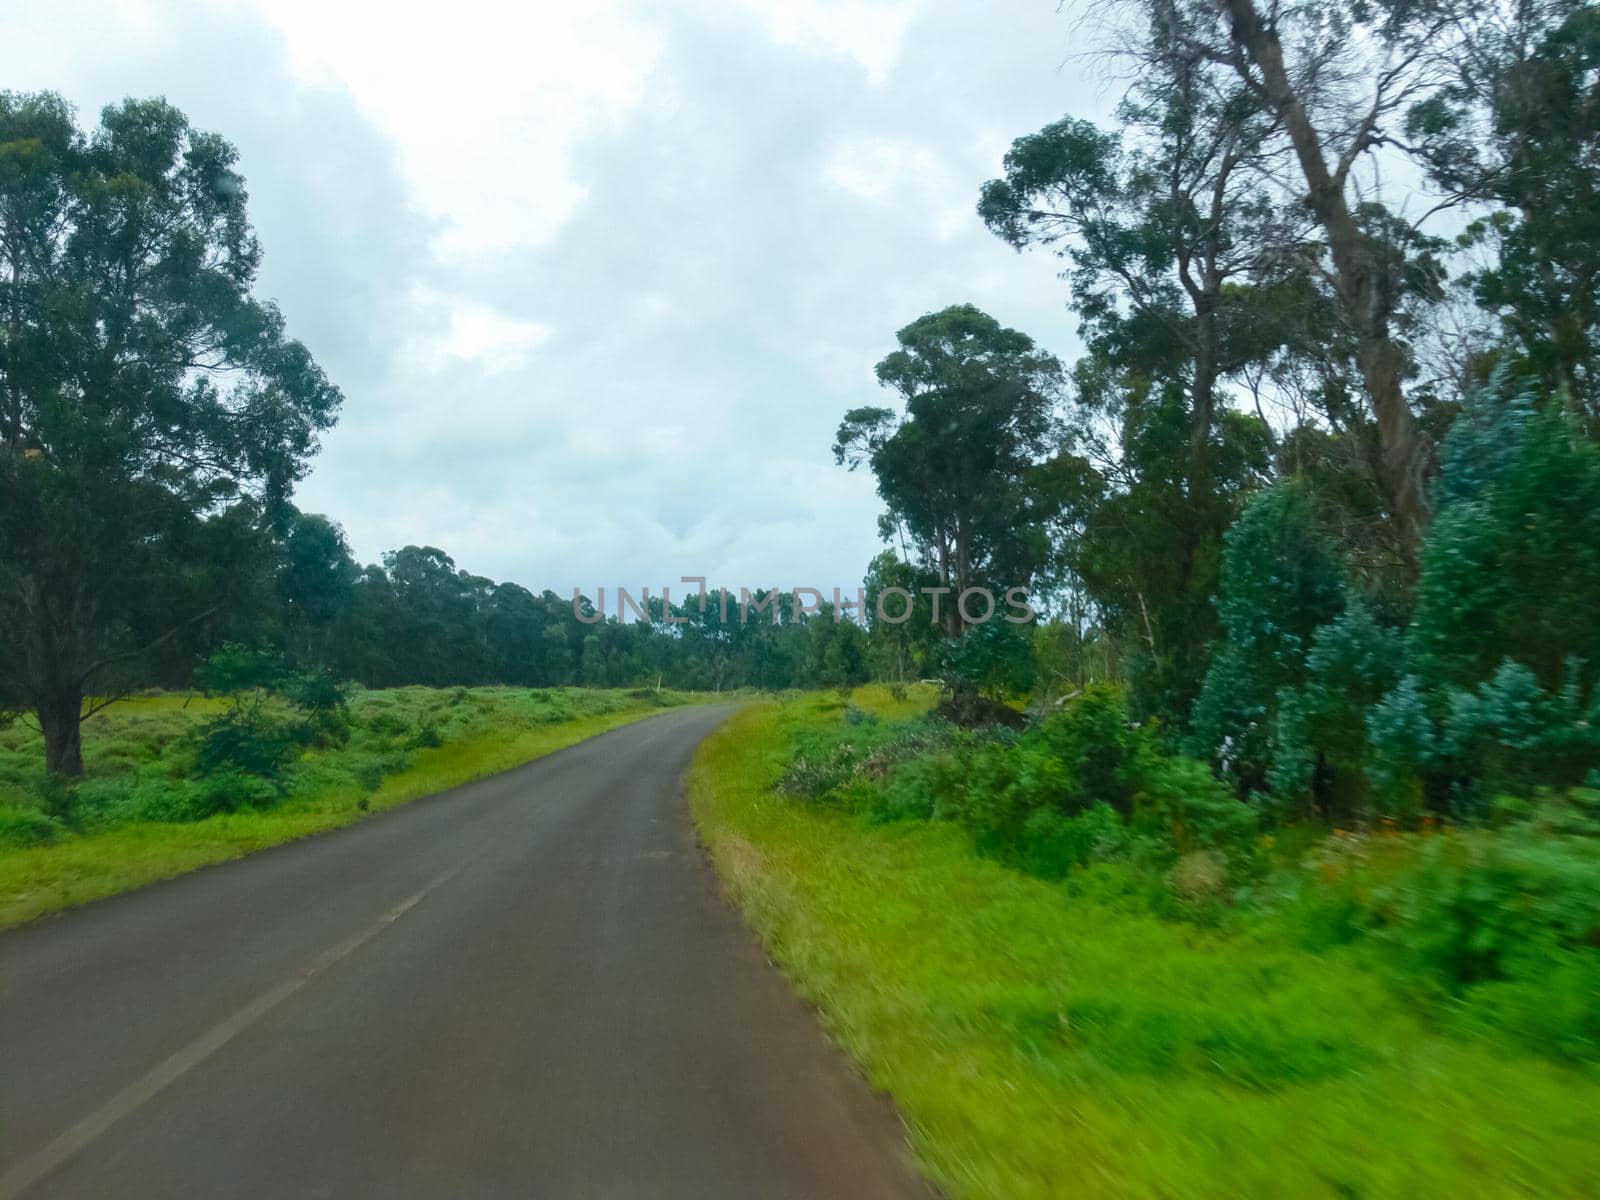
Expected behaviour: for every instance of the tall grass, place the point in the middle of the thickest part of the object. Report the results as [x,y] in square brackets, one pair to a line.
[1045,1040]
[107,836]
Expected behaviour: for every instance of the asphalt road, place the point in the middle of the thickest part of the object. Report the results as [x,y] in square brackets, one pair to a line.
[525,987]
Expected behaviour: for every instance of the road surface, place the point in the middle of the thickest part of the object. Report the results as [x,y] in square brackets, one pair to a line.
[526,987]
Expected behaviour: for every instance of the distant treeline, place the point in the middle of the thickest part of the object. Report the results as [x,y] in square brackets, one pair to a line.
[417,618]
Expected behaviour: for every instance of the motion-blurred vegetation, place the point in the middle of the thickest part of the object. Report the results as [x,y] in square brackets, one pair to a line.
[1082,967]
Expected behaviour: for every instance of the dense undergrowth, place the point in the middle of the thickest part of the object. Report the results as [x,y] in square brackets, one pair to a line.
[151,804]
[1083,967]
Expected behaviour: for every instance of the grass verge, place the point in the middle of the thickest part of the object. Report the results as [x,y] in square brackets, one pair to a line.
[137,748]
[1043,1042]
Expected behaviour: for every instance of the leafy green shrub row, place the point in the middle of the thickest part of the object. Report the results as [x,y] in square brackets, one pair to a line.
[1084,784]
[157,761]
[1321,697]
[1499,925]
[1495,926]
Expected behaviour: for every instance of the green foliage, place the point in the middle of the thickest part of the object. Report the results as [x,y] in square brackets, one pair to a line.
[1179,800]
[1519,125]
[1512,566]
[969,477]
[1282,579]
[256,737]
[1511,735]
[1322,724]
[245,741]
[1176,1015]
[1404,744]
[1085,784]
[23,827]
[156,414]
[994,659]
[1502,688]
[1500,925]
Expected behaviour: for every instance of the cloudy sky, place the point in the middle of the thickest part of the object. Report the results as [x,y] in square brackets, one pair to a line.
[598,279]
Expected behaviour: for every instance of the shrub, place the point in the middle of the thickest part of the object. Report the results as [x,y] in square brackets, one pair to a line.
[1007,784]
[1353,662]
[913,790]
[1477,906]
[1096,741]
[246,741]
[1512,735]
[1180,801]
[225,791]
[427,737]
[24,827]
[1511,567]
[1281,579]
[1053,844]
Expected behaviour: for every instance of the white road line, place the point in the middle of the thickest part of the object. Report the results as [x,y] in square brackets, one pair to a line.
[20,1176]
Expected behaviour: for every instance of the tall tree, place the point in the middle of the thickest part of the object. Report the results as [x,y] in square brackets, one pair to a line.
[143,393]
[1339,76]
[1174,243]
[957,468]
[1518,126]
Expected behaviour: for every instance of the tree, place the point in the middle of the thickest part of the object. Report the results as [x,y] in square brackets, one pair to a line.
[1281,580]
[437,609]
[1518,125]
[1334,74]
[152,412]
[903,639]
[957,469]
[315,581]
[1171,235]
[1511,568]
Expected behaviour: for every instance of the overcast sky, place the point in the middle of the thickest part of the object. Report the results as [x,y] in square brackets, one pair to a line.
[598,279]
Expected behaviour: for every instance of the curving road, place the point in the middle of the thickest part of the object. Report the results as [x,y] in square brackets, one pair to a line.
[525,987]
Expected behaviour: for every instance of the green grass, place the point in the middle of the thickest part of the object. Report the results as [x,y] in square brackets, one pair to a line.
[137,755]
[1046,1041]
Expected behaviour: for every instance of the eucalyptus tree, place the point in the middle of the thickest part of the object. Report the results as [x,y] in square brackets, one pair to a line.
[152,411]
[1517,126]
[1188,275]
[1178,256]
[962,469]
[1339,77]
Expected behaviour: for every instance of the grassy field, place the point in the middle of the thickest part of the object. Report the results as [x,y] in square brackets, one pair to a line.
[1045,1041]
[118,832]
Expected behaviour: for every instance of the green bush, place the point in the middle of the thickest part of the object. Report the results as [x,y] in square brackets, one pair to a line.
[1282,578]
[1182,803]
[246,741]
[1096,741]
[24,827]
[1007,784]
[914,789]
[1052,843]
[1511,567]
[1498,928]
[1352,663]
[1479,905]
[225,791]
[1084,785]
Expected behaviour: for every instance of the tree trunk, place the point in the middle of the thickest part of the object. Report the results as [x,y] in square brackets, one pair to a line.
[60,719]
[1365,291]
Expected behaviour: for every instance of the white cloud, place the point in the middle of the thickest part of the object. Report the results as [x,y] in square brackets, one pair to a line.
[478,332]
[880,167]
[866,31]
[598,279]
[484,98]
